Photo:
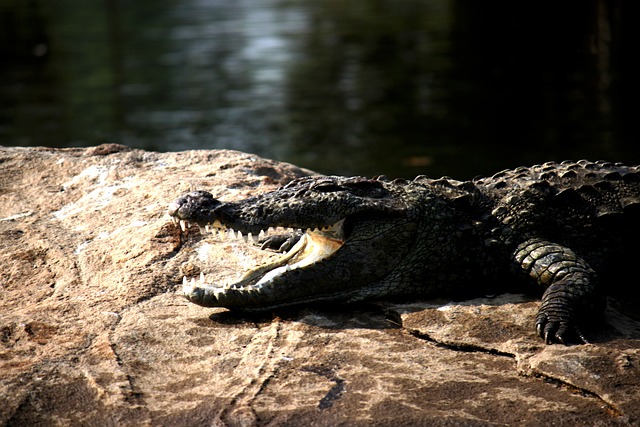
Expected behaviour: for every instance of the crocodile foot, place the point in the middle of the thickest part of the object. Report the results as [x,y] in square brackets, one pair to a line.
[564,307]
[552,329]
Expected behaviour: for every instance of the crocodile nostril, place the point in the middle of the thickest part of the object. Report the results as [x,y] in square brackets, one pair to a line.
[195,207]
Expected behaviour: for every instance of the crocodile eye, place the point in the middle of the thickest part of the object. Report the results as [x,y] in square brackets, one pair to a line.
[364,185]
[327,187]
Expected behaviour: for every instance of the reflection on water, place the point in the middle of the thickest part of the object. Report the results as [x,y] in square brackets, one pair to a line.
[399,87]
[218,76]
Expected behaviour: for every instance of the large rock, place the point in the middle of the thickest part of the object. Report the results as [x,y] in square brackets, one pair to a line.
[93,333]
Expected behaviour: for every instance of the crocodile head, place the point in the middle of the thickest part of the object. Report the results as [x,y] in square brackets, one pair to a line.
[354,233]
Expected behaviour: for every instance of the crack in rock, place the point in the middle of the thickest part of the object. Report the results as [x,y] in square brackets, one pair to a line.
[462,347]
[575,389]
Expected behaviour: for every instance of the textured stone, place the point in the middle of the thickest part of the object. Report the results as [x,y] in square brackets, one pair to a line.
[92,332]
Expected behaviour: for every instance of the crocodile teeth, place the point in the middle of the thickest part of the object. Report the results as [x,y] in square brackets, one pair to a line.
[187,285]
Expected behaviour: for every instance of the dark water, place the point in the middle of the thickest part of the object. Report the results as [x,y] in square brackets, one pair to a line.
[396,87]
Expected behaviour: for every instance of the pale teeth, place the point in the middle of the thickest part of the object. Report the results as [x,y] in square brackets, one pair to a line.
[224,233]
[201,277]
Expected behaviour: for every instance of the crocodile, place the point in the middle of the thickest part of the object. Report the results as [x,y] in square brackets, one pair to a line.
[566,230]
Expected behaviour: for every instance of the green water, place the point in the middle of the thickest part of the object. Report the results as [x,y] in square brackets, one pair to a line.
[395,87]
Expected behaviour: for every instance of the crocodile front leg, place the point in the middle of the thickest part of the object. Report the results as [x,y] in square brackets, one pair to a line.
[571,293]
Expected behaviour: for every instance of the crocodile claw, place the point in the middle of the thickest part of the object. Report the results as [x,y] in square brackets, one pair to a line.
[554,329]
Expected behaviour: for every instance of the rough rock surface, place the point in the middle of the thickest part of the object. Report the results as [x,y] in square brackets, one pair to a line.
[92,332]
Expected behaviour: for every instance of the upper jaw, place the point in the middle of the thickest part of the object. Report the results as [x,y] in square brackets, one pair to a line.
[201,209]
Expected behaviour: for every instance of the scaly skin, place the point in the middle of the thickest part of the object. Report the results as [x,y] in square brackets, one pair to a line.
[565,227]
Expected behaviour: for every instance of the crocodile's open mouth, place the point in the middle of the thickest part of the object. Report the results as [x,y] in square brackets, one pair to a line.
[312,246]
